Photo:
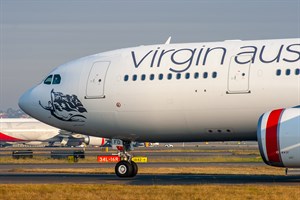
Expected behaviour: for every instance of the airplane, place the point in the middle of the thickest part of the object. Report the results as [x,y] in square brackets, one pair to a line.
[231,90]
[33,132]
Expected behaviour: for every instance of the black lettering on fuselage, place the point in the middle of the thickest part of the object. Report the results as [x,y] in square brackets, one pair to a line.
[199,55]
[246,54]
[181,60]
[213,49]
[293,51]
[137,64]
[163,52]
[178,62]
[154,56]
[277,58]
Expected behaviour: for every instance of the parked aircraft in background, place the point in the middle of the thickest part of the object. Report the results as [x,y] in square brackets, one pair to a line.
[34,132]
[219,91]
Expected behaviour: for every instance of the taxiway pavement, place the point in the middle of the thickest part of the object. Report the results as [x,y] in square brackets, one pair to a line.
[147,179]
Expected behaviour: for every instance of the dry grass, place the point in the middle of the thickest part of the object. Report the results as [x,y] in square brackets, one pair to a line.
[257,170]
[119,192]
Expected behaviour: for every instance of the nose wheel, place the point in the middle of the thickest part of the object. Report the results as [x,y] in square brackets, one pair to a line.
[126,167]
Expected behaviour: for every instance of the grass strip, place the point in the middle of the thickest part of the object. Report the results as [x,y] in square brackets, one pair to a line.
[121,192]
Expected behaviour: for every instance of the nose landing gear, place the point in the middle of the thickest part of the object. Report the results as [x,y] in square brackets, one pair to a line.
[126,167]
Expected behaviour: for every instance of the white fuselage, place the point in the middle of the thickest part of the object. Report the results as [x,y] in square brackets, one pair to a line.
[223,89]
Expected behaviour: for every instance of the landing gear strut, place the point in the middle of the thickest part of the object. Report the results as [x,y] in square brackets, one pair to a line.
[126,167]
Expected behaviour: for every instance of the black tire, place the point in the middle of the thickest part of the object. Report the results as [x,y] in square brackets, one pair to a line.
[123,169]
[135,169]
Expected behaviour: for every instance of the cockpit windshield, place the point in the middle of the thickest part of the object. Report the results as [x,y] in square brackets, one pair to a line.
[48,80]
[52,79]
[56,79]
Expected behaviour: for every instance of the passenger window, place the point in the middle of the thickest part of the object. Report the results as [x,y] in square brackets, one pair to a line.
[126,77]
[152,77]
[169,76]
[278,72]
[205,75]
[187,75]
[196,75]
[134,77]
[161,76]
[297,71]
[48,80]
[178,76]
[214,74]
[143,77]
[288,72]
[56,79]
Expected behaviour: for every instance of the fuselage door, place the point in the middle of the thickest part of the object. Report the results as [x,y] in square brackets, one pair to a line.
[96,80]
[239,76]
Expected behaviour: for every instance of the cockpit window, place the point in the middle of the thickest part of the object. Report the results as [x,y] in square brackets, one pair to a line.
[48,80]
[56,79]
[52,79]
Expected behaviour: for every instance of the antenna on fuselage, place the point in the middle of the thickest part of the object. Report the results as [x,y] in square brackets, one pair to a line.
[168,40]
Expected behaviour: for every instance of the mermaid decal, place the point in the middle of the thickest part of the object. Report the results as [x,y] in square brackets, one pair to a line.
[65,107]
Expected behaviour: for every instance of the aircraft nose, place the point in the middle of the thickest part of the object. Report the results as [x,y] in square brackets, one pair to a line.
[26,101]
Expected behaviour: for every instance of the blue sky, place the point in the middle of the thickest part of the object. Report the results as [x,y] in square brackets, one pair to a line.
[38,35]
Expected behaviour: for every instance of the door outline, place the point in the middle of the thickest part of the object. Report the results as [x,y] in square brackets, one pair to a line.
[238,75]
[98,84]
